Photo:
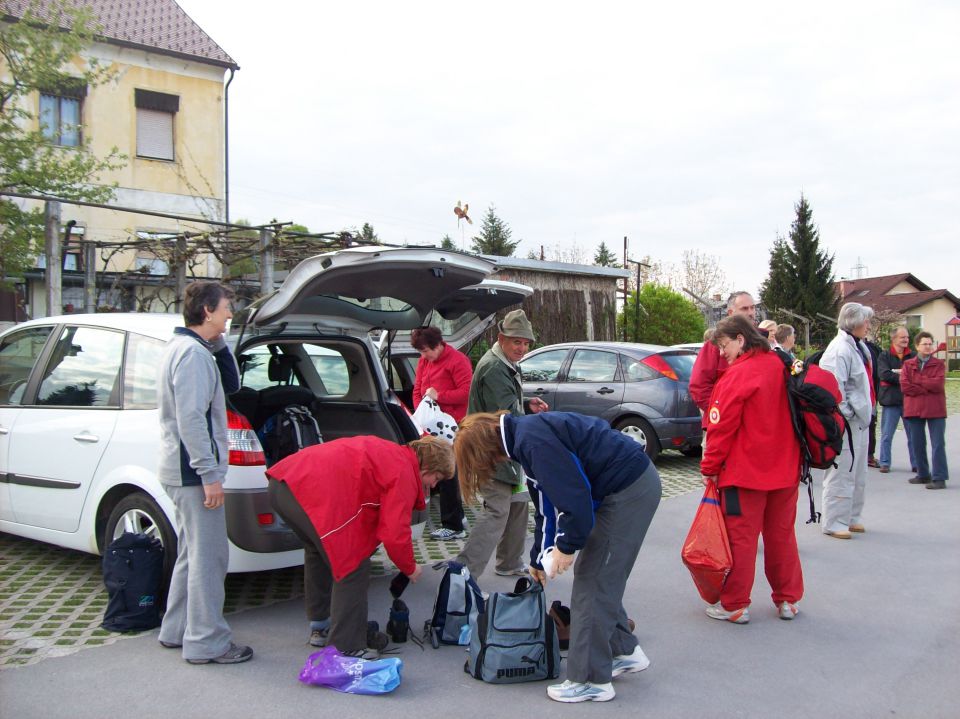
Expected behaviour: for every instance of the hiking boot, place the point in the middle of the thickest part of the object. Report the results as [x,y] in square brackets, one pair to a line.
[445,535]
[630,663]
[377,640]
[858,528]
[919,480]
[872,462]
[937,484]
[520,571]
[737,616]
[571,692]
[319,637]
[236,654]
[788,610]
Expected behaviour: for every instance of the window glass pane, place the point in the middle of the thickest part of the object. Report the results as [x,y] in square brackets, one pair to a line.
[83,370]
[253,369]
[154,134]
[18,354]
[49,122]
[69,121]
[636,371]
[682,365]
[593,366]
[544,367]
[332,368]
[140,374]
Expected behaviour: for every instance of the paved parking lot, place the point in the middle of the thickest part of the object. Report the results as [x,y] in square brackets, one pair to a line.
[52,599]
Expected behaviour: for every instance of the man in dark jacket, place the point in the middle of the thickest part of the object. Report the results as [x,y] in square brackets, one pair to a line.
[889,366]
[875,353]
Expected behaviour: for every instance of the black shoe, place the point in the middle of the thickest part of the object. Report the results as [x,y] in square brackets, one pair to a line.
[919,480]
[377,641]
[236,654]
[937,484]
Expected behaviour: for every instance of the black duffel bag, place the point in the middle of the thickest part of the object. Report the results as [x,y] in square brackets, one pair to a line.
[132,574]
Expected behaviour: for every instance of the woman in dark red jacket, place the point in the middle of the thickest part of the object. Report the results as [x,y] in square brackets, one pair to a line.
[444,374]
[754,457]
[343,499]
[923,383]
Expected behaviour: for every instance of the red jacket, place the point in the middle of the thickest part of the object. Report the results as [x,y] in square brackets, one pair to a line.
[450,374]
[750,438]
[924,391]
[359,492]
[707,369]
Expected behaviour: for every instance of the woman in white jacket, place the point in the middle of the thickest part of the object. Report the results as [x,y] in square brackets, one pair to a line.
[848,358]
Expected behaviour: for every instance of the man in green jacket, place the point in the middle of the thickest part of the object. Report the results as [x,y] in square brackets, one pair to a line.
[496,386]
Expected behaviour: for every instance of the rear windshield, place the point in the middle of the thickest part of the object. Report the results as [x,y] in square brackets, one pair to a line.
[682,364]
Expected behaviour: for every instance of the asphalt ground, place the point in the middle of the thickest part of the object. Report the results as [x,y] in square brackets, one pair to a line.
[878,635]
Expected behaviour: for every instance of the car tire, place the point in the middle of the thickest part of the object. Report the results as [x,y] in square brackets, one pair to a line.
[139,513]
[639,429]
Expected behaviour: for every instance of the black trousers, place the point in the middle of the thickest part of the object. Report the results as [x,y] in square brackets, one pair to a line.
[872,437]
[451,507]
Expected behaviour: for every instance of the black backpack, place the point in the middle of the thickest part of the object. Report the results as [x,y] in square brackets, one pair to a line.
[459,601]
[132,574]
[288,431]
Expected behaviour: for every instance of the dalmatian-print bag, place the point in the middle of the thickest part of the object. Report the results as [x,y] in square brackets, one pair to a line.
[434,421]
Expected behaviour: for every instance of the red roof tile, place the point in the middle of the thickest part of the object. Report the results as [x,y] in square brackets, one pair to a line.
[158,25]
[872,291]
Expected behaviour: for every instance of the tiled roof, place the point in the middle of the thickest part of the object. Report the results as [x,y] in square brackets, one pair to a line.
[872,291]
[157,25]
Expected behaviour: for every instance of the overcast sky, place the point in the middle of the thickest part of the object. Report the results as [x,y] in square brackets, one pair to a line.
[688,125]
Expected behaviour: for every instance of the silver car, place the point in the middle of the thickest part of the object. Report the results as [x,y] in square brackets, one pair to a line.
[641,390]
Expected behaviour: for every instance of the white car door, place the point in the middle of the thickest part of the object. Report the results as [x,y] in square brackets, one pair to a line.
[64,426]
[19,350]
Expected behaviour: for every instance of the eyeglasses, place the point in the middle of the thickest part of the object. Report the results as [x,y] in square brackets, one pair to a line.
[723,346]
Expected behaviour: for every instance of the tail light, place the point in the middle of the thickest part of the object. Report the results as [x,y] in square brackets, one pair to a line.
[242,441]
[659,364]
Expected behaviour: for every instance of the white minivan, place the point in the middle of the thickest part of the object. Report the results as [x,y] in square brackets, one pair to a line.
[78,418]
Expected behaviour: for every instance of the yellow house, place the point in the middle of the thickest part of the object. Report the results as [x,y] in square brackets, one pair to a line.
[166,109]
[903,294]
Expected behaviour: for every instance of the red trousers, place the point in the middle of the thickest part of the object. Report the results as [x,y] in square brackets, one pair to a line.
[748,513]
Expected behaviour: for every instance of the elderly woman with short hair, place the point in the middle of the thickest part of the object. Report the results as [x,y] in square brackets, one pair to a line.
[848,358]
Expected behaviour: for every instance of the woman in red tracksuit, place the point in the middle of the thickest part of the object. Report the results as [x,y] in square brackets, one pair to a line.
[754,457]
[343,499]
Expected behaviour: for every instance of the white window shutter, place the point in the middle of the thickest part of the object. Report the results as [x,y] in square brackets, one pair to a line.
[154,134]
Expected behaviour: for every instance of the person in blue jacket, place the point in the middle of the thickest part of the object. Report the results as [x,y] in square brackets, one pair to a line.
[595,493]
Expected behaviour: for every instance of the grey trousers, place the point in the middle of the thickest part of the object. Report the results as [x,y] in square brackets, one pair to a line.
[194,616]
[598,621]
[844,488]
[343,602]
[503,524]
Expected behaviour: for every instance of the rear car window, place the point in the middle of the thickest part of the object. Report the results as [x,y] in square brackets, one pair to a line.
[682,364]
[140,381]
[84,369]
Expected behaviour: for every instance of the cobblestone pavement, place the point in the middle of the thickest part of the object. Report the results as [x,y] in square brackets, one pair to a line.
[52,599]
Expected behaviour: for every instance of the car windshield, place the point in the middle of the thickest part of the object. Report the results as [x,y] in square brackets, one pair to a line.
[682,364]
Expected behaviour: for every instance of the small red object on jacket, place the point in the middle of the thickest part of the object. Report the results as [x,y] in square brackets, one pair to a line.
[707,370]
[924,390]
[358,492]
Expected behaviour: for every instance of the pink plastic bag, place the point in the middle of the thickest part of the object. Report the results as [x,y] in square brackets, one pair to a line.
[329,668]
[706,550]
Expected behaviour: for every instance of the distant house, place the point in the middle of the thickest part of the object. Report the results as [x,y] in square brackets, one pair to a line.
[166,110]
[903,294]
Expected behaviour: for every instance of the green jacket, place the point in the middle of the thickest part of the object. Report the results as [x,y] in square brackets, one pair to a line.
[496,386]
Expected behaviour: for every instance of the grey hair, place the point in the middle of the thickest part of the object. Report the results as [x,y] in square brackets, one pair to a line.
[893,332]
[852,315]
[732,299]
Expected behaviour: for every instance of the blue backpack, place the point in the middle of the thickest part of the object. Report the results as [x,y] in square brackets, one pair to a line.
[458,604]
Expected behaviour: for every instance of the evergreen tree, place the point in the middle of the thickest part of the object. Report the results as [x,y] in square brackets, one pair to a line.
[604,257]
[801,273]
[494,237]
[447,243]
[367,234]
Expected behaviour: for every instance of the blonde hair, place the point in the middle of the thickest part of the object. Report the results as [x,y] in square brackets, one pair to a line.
[434,455]
[479,449]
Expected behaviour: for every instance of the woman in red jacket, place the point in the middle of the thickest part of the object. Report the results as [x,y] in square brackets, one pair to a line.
[443,374]
[754,457]
[923,383]
[343,499]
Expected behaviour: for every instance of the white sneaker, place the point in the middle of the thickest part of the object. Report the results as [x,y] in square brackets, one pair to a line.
[788,610]
[445,535]
[737,616]
[571,692]
[630,663]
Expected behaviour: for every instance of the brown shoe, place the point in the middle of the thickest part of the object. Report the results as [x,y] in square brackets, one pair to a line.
[884,470]
[839,534]
[858,528]
[919,480]
[872,462]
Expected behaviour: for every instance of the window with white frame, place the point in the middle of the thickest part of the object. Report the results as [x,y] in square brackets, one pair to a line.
[148,262]
[60,112]
[914,322]
[156,112]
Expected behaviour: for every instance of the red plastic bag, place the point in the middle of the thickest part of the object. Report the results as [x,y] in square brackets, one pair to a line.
[706,550]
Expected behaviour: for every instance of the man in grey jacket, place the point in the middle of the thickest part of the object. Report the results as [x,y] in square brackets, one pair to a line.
[496,386]
[196,369]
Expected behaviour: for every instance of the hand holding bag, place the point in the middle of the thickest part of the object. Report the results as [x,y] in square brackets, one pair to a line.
[706,550]
[329,668]
[434,421]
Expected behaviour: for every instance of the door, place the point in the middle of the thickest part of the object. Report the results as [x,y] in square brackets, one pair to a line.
[593,384]
[62,433]
[541,372]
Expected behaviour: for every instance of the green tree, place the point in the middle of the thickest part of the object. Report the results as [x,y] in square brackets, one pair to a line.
[447,243]
[368,235]
[494,237]
[664,317]
[37,57]
[801,274]
[604,257]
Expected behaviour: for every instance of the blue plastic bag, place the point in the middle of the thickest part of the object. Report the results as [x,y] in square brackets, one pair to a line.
[329,668]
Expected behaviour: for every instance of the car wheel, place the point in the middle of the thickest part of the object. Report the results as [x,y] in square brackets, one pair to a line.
[140,514]
[639,429]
